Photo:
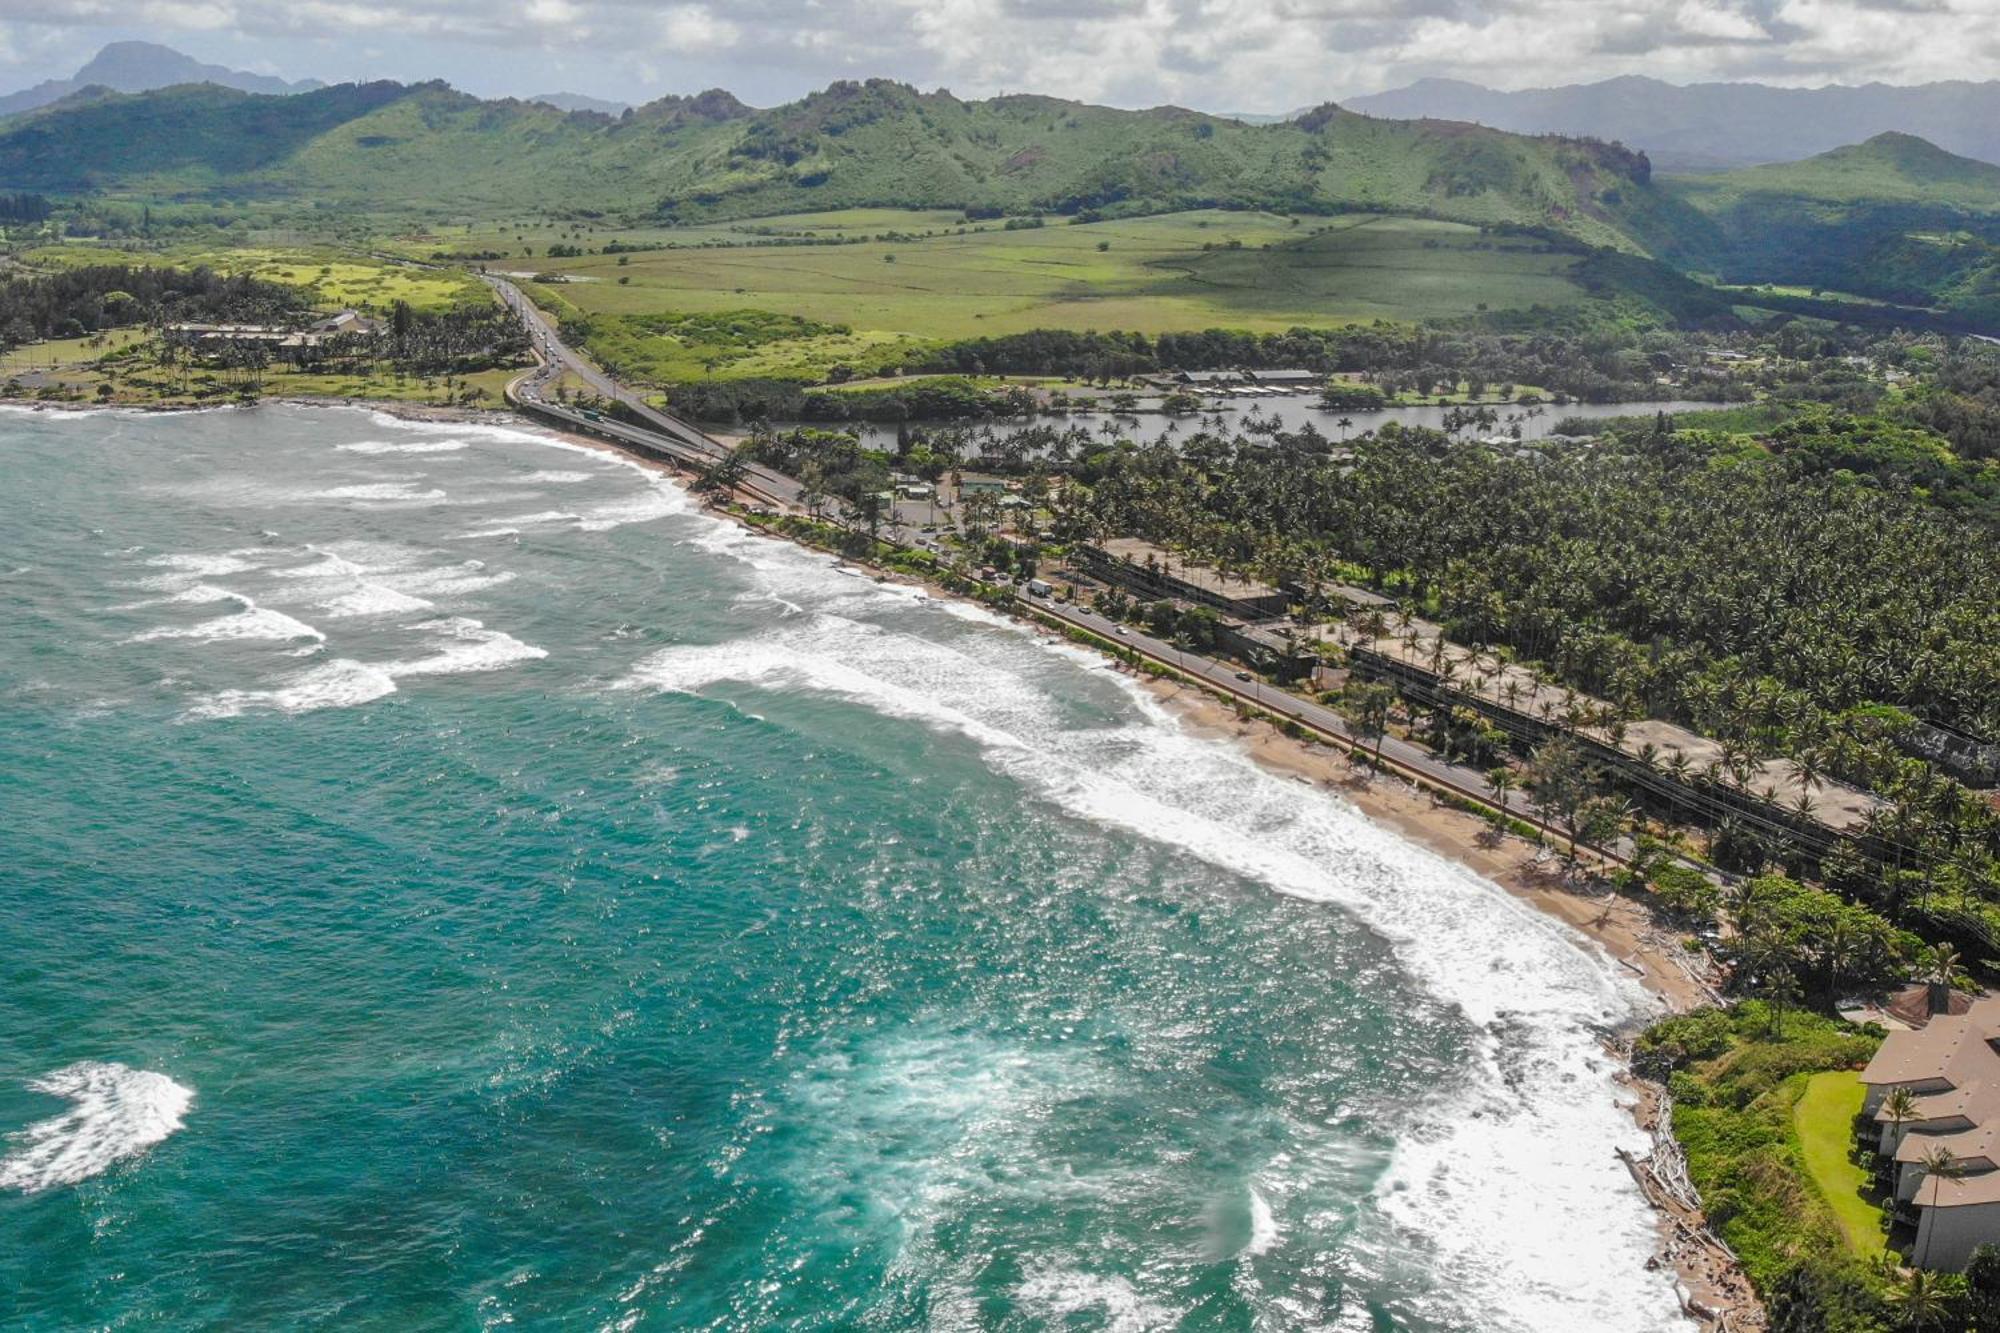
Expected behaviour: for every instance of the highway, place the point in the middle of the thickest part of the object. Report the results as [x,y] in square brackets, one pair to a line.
[662,436]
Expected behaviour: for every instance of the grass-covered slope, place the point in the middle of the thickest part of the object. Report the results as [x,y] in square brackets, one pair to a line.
[1895,218]
[426,148]
[1889,168]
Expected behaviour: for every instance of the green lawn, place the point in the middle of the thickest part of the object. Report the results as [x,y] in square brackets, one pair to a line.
[1823,1118]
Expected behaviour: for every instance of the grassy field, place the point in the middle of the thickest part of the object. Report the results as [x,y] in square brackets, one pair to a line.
[1823,1119]
[330,279]
[530,237]
[1180,272]
[748,299]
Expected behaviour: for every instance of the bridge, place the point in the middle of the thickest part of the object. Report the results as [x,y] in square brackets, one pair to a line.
[639,428]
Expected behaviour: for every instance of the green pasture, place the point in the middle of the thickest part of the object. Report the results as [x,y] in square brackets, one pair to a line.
[1180,272]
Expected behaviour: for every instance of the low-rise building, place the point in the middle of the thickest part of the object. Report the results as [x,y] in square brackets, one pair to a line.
[1950,1067]
[347,321]
[1155,571]
[1287,379]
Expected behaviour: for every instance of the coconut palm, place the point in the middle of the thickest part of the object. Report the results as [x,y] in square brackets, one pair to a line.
[1899,1108]
[1922,1300]
[1938,1166]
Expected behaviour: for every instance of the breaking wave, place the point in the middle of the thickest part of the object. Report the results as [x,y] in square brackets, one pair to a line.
[1501,1175]
[115,1112]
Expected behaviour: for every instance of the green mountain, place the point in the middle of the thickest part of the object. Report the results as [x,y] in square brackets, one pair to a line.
[1889,168]
[430,149]
[1896,218]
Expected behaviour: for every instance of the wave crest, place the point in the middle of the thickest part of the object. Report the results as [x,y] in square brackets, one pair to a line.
[115,1112]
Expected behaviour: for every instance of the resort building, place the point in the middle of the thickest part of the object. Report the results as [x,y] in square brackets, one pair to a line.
[1154,571]
[1950,1066]
[1660,759]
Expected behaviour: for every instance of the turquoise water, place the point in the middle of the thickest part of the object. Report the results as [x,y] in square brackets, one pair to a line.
[452,883]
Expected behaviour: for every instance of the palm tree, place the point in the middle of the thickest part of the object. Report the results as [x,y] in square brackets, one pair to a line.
[1922,1301]
[1501,780]
[1939,1166]
[1943,974]
[1899,1108]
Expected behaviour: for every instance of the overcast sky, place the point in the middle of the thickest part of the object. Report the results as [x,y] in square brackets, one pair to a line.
[1217,55]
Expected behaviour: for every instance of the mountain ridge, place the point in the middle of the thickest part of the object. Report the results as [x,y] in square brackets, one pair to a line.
[878,144]
[1708,126]
[135,67]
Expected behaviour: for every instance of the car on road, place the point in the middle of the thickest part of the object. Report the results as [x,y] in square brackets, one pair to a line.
[1117,629]
[1242,675]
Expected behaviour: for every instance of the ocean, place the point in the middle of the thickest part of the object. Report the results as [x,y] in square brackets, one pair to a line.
[452,882]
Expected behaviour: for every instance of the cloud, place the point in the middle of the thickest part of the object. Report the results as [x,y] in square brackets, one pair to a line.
[1252,55]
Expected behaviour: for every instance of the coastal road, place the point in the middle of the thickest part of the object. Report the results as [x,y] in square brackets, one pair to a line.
[1227,679]
[682,442]
[664,435]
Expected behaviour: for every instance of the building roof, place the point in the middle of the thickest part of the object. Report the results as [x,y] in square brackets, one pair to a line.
[1957,1048]
[1362,597]
[1175,566]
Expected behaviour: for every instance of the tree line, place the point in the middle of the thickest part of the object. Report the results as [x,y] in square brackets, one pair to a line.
[73,303]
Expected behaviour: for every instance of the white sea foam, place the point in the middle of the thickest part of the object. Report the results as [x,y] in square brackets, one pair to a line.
[1500,1177]
[512,524]
[195,595]
[115,1112]
[471,430]
[252,622]
[460,645]
[657,501]
[340,683]
[405,447]
[390,492]
[1265,1233]
[203,566]
[457,580]
[553,477]
[1053,1296]
[466,645]
[343,588]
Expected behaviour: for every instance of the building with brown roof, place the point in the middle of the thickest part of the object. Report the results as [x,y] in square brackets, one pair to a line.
[1951,1068]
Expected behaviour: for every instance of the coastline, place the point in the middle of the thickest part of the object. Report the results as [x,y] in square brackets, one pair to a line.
[1713,1289]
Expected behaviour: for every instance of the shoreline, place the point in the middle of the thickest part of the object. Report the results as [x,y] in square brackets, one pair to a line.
[1713,1290]
[1712,1287]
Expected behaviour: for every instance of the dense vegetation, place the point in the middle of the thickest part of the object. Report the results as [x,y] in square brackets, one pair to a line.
[1660,574]
[1894,218]
[1737,1077]
[74,302]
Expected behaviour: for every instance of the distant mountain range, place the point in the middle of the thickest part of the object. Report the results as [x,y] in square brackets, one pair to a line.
[137,67]
[1710,126]
[1895,218]
[579,102]
[876,144]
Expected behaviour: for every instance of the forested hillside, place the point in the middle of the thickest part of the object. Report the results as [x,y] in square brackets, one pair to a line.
[431,149]
[1894,218]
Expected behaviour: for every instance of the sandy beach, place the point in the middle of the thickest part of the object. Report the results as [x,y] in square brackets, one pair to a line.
[1714,1289]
